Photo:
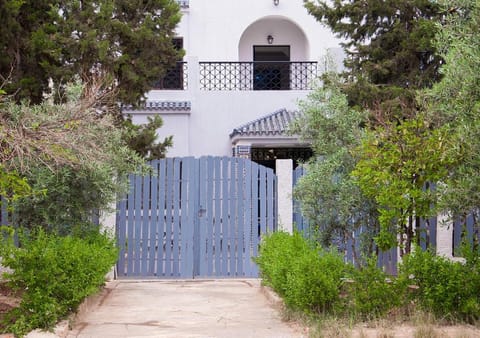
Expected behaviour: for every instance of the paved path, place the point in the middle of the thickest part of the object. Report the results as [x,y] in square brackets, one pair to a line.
[194,308]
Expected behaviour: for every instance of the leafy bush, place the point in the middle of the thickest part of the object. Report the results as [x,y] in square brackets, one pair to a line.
[55,274]
[277,252]
[308,278]
[371,293]
[447,289]
[314,280]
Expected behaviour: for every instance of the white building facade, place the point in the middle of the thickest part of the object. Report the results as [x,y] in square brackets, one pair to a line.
[246,65]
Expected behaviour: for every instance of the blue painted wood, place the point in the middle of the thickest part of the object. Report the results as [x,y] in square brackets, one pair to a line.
[225,215]
[232,215]
[240,217]
[248,223]
[187,218]
[153,231]
[203,235]
[217,221]
[255,214]
[3,211]
[176,218]
[168,235]
[195,218]
[198,213]
[271,207]
[145,225]
[433,232]
[131,225]
[209,217]
[262,201]
[137,225]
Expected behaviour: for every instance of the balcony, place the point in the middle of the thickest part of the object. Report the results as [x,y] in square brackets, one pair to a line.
[257,75]
[176,78]
[242,76]
[184,3]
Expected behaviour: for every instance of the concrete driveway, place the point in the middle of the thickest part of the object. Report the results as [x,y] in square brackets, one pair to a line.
[191,308]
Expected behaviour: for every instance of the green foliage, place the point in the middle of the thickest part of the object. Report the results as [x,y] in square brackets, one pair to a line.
[12,186]
[124,40]
[395,164]
[54,274]
[371,293]
[454,103]
[277,251]
[329,197]
[307,277]
[143,138]
[389,50]
[447,289]
[75,157]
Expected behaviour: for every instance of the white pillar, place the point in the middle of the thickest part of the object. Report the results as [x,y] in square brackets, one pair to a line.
[284,169]
[108,220]
[444,236]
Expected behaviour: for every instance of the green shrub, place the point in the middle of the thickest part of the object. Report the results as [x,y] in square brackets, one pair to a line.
[307,277]
[314,280]
[277,252]
[54,274]
[447,289]
[371,293]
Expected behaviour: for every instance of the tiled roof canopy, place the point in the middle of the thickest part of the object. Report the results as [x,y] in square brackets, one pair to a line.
[163,105]
[272,124]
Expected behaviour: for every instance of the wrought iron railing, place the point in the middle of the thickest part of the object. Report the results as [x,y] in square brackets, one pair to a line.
[257,75]
[176,78]
[184,3]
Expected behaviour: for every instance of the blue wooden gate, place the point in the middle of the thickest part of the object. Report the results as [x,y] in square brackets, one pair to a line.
[195,218]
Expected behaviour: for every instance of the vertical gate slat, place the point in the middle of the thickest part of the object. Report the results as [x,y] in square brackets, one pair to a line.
[271,212]
[218,215]
[255,215]
[176,217]
[197,248]
[240,217]
[209,216]
[196,217]
[153,232]
[203,246]
[433,232]
[232,220]
[169,216]
[186,219]
[131,225]
[263,200]
[137,224]
[248,223]
[145,225]
[225,215]
[4,211]
[162,224]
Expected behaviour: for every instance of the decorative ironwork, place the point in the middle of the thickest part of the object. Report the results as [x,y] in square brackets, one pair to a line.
[268,154]
[184,3]
[257,75]
[176,78]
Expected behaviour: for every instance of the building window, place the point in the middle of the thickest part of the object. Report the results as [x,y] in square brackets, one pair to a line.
[174,78]
[271,70]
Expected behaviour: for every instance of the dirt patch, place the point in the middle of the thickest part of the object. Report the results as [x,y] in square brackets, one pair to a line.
[8,300]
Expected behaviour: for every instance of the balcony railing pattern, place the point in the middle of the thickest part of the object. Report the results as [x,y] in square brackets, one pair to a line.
[257,75]
[184,3]
[176,78]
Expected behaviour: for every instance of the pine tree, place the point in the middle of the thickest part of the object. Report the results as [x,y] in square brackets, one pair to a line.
[389,51]
[129,41]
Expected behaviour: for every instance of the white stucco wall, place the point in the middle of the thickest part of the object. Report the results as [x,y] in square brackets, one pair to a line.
[226,30]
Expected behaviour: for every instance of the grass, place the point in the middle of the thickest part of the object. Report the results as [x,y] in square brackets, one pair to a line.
[412,324]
